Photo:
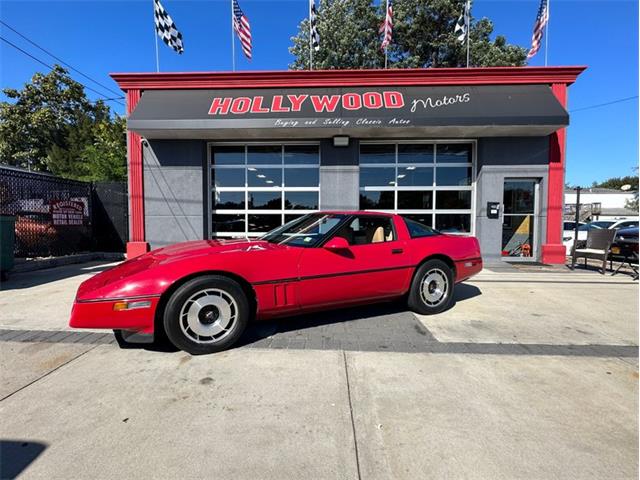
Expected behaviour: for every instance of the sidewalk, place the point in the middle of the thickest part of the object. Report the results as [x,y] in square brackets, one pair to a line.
[529,375]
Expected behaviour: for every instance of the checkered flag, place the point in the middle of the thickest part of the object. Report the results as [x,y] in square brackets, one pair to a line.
[313,18]
[166,29]
[462,25]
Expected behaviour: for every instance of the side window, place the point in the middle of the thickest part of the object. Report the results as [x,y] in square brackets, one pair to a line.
[628,225]
[368,229]
[418,230]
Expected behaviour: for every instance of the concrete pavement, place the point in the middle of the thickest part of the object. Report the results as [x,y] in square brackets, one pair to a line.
[513,382]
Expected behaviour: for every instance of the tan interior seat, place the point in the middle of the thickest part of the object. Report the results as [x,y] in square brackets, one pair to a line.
[378,235]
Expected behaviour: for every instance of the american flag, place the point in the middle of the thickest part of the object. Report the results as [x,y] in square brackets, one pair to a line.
[387,26]
[242,28]
[166,29]
[315,36]
[538,28]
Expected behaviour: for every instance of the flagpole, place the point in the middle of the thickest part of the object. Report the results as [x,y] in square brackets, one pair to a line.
[155,35]
[386,57]
[233,41]
[546,33]
[468,29]
[310,38]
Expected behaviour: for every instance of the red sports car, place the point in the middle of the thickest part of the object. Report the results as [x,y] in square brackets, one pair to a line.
[202,294]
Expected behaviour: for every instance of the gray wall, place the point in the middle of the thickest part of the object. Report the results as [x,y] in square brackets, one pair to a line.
[498,159]
[174,190]
[176,199]
[339,176]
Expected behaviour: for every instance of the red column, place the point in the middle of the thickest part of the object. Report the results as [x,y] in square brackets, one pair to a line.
[553,251]
[136,245]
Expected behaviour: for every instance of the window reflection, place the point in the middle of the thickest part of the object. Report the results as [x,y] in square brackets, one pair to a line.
[453,153]
[377,176]
[227,177]
[376,200]
[264,223]
[264,177]
[265,200]
[377,153]
[453,176]
[228,155]
[415,200]
[227,223]
[267,154]
[453,199]
[301,155]
[301,201]
[415,176]
[420,153]
[301,177]
[453,222]
[228,200]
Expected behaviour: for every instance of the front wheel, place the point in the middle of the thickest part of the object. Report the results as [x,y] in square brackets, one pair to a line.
[432,288]
[207,314]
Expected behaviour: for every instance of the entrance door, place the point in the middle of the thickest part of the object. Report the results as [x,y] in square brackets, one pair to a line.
[519,224]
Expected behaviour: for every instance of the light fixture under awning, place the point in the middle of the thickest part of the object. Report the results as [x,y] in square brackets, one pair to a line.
[488,110]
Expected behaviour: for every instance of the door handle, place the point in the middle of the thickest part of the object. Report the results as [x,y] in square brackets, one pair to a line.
[396,251]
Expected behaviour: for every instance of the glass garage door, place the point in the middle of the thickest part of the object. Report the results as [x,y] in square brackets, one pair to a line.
[255,188]
[428,182]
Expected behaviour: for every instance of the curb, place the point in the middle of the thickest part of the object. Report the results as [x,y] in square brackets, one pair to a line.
[43,263]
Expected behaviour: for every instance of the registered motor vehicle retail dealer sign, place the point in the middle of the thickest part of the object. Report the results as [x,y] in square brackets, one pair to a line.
[67,213]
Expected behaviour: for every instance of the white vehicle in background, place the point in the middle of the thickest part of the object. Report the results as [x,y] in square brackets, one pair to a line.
[583,229]
[625,223]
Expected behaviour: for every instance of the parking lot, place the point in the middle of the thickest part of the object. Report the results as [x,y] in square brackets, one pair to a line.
[532,374]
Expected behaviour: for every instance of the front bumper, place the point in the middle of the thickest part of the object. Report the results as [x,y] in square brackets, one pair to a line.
[101,314]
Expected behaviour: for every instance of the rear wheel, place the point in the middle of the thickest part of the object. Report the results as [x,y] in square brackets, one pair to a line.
[432,288]
[206,315]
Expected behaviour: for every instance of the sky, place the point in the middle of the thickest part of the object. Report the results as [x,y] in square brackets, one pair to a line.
[98,37]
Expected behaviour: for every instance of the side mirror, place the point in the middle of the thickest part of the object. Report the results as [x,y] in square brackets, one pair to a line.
[337,243]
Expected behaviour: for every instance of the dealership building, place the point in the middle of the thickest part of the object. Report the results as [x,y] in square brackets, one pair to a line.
[477,151]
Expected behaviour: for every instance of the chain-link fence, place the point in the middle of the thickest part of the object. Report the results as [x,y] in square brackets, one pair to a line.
[52,214]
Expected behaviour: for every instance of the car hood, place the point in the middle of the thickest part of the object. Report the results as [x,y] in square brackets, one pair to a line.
[121,280]
[208,247]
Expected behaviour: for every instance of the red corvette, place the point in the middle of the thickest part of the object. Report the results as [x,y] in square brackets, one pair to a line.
[202,294]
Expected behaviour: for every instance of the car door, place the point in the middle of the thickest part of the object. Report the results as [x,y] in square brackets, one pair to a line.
[375,265]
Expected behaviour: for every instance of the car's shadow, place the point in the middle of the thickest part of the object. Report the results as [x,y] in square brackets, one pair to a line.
[372,323]
[375,320]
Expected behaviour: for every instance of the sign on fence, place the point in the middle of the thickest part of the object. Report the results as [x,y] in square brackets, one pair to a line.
[67,212]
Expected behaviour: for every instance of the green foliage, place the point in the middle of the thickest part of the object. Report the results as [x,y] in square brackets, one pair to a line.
[632,204]
[423,36]
[50,125]
[617,182]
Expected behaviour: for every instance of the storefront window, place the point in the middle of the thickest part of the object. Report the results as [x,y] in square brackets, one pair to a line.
[431,183]
[229,200]
[252,186]
[371,200]
[301,201]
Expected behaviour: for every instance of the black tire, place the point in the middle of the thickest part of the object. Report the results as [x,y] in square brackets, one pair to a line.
[438,293]
[120,340]
[182,313]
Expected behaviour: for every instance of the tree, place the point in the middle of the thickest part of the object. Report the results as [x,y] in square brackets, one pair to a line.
[617,183]
[423,36]
[50,125]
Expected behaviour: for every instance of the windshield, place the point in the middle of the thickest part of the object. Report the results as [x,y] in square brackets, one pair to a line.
[306,231]
[589,226]
[602,224]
